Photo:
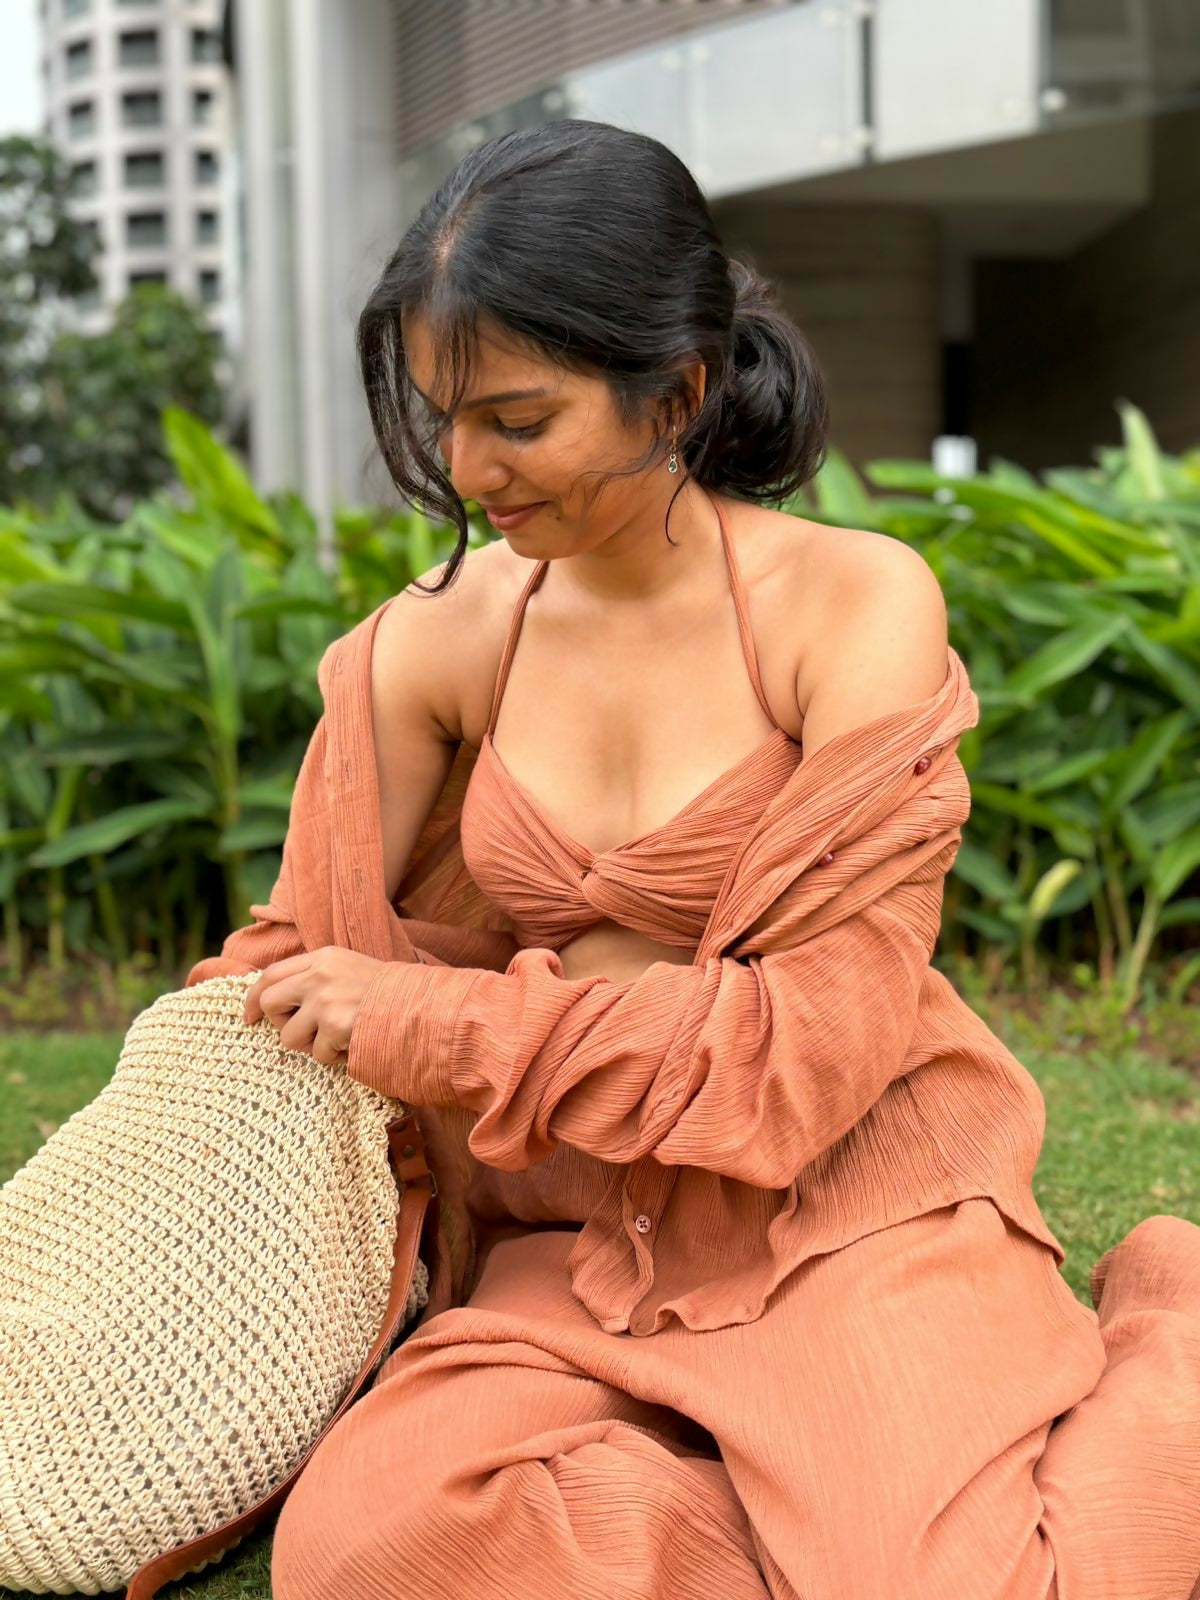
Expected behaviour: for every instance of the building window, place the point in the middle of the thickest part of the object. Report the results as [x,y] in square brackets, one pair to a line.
[79,58]
[207,227]
[203,106]
[92,228]
[86,179]
[206,44]
[81,119]
[136,279]
[145,169]
[76,8]
[142,109]
[138,48]
[145,230]
[210,286]
[89,300]
[208,168]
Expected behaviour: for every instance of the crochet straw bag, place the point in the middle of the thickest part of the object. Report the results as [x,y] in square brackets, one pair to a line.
[199,1272]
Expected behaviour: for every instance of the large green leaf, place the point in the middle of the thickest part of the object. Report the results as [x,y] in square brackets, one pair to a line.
[841,494]
[213,474]
[106,746]
[107,833]
[1064,656]
[88,600]
[1139,765]
[1175,863]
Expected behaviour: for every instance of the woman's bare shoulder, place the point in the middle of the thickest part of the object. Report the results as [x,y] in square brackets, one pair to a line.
[441,649]
[840,601]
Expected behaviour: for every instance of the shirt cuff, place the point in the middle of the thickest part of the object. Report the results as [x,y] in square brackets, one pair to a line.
[401,1041]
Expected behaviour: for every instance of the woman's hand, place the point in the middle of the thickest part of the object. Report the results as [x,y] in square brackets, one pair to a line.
[313,999]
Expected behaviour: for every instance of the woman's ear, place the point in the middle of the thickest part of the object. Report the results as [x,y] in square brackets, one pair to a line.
[693,381]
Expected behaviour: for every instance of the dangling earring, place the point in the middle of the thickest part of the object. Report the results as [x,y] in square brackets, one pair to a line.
[673,462]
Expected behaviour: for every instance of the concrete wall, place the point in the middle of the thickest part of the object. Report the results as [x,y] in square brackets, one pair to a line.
[862,281]
[1058,342]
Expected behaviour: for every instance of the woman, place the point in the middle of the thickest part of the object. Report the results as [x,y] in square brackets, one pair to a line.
[761,1302]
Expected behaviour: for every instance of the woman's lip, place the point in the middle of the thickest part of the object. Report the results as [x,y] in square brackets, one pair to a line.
[513,517]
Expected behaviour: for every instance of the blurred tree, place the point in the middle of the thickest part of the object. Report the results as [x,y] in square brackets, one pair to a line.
[104,396]
[46,258]
[82,413]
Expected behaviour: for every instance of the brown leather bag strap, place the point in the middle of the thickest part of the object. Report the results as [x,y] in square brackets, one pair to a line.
[416,1222]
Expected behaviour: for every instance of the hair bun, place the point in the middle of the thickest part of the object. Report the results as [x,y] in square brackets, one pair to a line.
[770,438]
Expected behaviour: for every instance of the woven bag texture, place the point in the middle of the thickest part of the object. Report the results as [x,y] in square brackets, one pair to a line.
[192,1271]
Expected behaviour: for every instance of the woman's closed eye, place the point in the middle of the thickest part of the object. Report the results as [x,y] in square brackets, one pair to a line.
[530,430]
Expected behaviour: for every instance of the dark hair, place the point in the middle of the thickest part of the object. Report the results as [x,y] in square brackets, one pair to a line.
[595,246]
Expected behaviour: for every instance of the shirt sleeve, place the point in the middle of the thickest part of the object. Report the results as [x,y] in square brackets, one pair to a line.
[272,936]
[746,1066]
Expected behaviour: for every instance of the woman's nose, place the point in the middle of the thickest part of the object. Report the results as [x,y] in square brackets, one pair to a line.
[476,467]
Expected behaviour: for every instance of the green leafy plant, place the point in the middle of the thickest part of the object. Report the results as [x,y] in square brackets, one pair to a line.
[1075,603]
[158,684]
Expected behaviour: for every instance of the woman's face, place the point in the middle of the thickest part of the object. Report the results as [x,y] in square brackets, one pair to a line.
[528,434]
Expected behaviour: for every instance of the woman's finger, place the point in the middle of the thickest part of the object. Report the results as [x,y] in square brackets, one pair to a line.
[325,1051]
[300,1031]
[278,1000]
[278,970]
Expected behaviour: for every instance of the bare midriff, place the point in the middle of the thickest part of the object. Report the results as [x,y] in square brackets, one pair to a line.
[620,954]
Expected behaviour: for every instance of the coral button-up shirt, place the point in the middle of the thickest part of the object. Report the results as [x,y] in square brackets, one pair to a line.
[808,1079]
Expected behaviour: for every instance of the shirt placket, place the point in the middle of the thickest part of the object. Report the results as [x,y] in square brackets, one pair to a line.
[645,1193]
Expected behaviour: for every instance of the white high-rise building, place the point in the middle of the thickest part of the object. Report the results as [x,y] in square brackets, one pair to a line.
[137,100]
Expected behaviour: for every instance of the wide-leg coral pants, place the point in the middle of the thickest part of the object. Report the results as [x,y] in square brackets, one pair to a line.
[927,1414]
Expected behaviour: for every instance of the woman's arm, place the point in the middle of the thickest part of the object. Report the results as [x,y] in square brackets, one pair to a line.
[749,1068]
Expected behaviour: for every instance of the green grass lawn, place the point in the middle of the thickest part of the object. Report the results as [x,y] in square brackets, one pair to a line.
[1122,1142]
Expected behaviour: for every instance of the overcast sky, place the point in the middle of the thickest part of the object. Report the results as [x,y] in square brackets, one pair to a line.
[20,78]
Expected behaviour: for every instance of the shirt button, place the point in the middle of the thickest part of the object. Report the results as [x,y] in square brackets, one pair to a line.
[827,858]
[923,764]
[642,1223]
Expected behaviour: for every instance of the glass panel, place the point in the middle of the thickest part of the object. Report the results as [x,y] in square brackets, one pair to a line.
[203,102]
[76,8]
[85,178]
[207,167]
[79,59]
[210,287]
[206,44]
[145,229]
[145,169]
[81,119]
[1119,56]
[745,104]
[138,278]
[139,49]
[207,227]
[143,110]
[945,74]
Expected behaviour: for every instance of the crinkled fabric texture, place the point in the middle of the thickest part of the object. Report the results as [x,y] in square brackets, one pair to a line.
[808,1079]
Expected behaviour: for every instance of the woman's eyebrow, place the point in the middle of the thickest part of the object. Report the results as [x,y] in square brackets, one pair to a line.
[486,399]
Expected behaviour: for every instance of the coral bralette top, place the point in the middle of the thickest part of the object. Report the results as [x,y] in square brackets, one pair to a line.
[663,883]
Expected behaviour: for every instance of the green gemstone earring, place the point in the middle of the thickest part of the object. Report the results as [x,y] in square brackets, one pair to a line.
[673,462]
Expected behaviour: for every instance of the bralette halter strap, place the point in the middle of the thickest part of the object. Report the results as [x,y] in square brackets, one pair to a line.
[741,607]
[510,643]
